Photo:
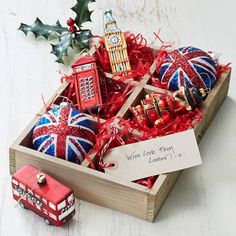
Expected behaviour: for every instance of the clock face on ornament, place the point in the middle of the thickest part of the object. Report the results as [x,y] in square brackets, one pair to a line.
[114,40]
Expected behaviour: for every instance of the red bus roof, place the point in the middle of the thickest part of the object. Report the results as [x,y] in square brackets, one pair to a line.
[52,190]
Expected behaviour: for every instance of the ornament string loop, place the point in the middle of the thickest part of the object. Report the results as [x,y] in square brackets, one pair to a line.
[67,100]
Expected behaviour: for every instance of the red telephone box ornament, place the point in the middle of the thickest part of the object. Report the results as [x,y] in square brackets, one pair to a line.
[90,88]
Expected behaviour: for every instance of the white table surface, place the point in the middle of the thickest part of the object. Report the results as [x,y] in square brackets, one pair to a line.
[203,202]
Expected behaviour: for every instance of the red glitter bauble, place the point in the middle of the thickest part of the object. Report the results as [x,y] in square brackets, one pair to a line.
[65,133]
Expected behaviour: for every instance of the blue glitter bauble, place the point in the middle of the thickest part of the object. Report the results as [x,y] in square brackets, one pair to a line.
[65,133]
[188,66]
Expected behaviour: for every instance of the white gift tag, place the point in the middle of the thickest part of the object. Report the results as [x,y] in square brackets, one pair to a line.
[154,156]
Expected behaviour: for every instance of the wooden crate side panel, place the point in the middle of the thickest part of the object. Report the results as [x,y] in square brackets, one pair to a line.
[213,104]
[89,187]
[12,161]
[167,183]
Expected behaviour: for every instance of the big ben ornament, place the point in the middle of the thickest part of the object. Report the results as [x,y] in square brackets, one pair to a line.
[116,46]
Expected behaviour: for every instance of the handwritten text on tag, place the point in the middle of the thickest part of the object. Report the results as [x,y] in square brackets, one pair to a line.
[155,156]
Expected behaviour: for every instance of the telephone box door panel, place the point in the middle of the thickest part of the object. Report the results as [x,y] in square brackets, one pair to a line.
[87,92]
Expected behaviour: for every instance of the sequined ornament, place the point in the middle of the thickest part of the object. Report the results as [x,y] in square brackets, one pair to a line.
[138,112]
[188,66]
[116,45]
[65,133]
[189,97]
[159,108]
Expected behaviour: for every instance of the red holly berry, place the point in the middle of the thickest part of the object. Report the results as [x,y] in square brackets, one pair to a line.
[73,29]
[70,22]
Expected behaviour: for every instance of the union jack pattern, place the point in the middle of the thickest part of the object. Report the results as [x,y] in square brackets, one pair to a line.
[188,66]
[65,133]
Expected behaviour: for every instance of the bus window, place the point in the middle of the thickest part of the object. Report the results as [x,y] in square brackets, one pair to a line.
[39,203]
[14,181]
[16,192]
[22,186]
[52,216]
[71,197]
[45,211]
[52,206]
[61,205]
[30,201]
[44,200]
[34,200]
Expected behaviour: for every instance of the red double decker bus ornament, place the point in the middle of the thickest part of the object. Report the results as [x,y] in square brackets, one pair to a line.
[44,195]
[90,85]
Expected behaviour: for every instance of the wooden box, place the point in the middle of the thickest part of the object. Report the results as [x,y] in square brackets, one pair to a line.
[100,188]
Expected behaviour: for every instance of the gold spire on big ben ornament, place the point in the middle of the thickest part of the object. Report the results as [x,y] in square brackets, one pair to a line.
[115,45]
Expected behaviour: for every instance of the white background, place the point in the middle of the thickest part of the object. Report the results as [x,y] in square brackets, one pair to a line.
[203,202]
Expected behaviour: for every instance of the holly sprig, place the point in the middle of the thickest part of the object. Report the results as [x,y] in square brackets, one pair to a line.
[73,36]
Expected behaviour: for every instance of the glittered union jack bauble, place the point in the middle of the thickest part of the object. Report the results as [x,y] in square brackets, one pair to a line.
[65,133]
[188,66]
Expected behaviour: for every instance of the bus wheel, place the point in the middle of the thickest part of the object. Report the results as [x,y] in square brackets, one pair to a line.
[22,205]
[47,221]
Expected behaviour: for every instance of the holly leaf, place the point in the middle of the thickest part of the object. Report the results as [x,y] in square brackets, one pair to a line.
[43,30]
[82,12]
[61,49]
[81,40]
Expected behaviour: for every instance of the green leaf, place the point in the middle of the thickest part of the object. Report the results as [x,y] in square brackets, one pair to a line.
[61,49]
[81,40]
[82,12]
[40,29]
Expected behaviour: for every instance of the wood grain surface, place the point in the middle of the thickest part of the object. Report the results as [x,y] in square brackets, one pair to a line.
[203,201]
